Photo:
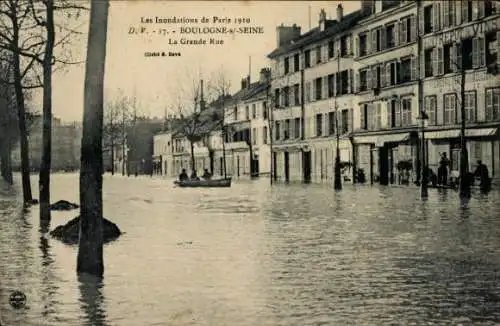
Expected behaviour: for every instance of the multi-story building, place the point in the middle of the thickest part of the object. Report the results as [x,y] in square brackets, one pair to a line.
[313,97]
[246,120]
[394,86]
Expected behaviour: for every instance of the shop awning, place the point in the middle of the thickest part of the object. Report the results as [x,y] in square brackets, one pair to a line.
[380,140]
[455,133]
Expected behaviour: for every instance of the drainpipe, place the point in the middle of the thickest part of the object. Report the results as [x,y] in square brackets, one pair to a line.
[302,105]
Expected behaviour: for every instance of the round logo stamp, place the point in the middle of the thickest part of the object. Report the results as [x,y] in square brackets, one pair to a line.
[17,299]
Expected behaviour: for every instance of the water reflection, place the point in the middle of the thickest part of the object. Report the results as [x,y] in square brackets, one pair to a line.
[49,281]
[92,300]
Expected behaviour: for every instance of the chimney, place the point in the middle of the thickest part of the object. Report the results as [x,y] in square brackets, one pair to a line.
[340,13]
[378,6]
[286,34]
[322,19]
[367,5]
[265,75]
[244,83]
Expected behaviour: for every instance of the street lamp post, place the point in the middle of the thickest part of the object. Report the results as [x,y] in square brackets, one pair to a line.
[424,180]
[337,176]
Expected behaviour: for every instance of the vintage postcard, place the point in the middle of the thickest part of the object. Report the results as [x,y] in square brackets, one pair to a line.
[249,163]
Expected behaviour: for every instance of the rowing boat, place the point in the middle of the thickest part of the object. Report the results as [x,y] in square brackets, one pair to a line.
[203,183]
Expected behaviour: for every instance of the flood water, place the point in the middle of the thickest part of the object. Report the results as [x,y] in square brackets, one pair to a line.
[256,255]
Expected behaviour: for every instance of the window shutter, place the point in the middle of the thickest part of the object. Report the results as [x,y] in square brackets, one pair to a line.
[368,42]
[324,84]
[397,111]
[458,59]
[357,83]
[453,58]
[413,27]
[337,47]
[475,52]
[307,90]
[436,16]
[387,78]
[482,52]
[312,56]
[396,34]
[282,67]
[374,41]
[382,80]
[351,81]
[446,13]
[402,32]
[355,46]
[464,11]
[324,52]
[498,40]
[350,120]
[440,63]
[313,90]
[389,113]
[339,121]
[480,9]
[350,44]
[435,61]
[375,80]
[414,68]
[383,38]
[458,111]
[369,79]
[324,129]
[291,96]
[335,84]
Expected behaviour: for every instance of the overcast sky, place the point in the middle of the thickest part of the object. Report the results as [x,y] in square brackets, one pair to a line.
[155,80]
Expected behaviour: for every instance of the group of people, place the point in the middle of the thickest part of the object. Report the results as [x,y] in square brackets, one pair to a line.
[480,173]
[184,176]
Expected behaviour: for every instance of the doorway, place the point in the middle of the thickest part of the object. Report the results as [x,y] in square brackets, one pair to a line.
[287,166]
[221,166]
[383,155]
[274,172]
[306,166]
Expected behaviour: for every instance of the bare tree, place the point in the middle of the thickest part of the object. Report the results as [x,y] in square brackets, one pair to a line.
[90,250]
[8,132]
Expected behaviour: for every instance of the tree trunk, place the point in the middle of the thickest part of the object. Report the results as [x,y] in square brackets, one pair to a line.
[44,181]
[21,118]
[465,184]
[90,251]
[5,164]
[193,167]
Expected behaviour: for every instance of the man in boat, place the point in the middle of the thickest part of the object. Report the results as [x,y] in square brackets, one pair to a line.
[183,176]
[194,176]
[206,175]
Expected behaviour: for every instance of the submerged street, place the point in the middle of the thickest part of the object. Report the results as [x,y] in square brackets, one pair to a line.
[254,254]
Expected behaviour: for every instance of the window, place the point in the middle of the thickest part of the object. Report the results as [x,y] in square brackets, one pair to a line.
[376,44]
[286,95]
[277,98]
[405,70]
[296,62]
[264,110]
[235,113]
[492,56]
[466,11]
[319,88]
[363,80]
[264,135]
[391,74]
[319,124]
[490,8]
[363,40]
[277,130]
[286,129]
[376,76]
[450,109]
[428,19]
[287,65]
[296,94]
[470,106]
[254,136]
[331,49]
[448,59]
[345,121]
[344,46]
[318,54]
[448,13]
[428,62]
[331,85]
[430,105]
[297,128]
[478,54]
[247,113]
[342,82]
[493,104]
[307,58]
[331,123]
[467,53]
[390,36]
[364,116]
[254,111]
[406,112]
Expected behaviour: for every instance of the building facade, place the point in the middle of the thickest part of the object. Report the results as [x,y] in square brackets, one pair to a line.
[313,98]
